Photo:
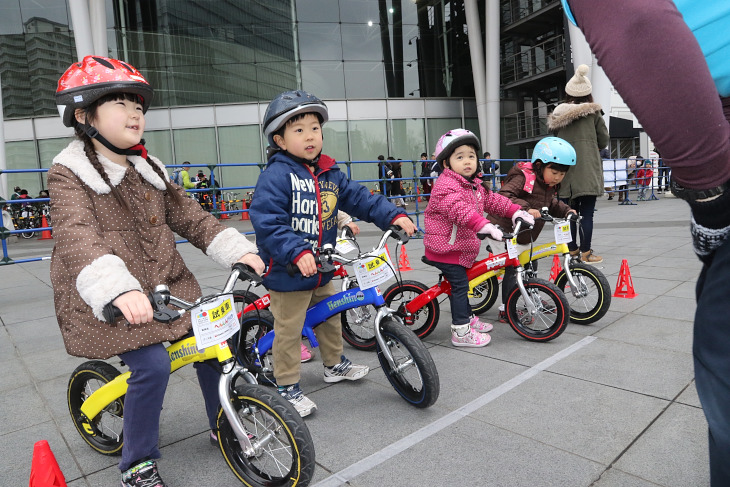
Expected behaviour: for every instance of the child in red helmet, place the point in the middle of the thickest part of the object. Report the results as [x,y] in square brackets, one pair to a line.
[114,216]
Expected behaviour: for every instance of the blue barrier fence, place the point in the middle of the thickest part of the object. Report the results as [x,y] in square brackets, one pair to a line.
[27,215]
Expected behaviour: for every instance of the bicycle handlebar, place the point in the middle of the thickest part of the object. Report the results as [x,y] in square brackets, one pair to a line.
[572,217]
[161,297]
[327,253]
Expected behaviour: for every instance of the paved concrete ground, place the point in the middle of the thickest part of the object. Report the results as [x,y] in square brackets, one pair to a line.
[608,404]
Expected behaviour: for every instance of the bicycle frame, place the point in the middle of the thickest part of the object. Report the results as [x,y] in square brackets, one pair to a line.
[182,353]
[333,305]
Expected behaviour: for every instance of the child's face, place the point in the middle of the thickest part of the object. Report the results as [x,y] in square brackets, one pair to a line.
[302,138]
[552,176]
[464,161]
[121,122]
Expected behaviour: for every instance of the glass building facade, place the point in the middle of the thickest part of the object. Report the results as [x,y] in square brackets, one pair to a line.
[396,75]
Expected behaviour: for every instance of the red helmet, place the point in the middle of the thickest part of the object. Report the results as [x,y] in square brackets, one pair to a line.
[85,82]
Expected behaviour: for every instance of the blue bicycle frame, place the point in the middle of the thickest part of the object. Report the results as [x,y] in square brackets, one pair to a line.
[320,312]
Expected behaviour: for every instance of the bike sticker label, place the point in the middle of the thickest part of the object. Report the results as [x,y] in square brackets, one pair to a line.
[214,322]
[344,246]
[562,233]
[374,271]
[512,250]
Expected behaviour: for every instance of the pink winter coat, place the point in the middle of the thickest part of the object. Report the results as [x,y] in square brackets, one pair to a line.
[454,213]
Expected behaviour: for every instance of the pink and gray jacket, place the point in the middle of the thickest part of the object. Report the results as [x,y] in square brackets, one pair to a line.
[454,213]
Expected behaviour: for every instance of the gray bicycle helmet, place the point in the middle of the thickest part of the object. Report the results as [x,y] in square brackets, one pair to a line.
[288,104]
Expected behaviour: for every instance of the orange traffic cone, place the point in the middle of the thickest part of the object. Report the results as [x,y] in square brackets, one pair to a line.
[45,234]
[44,470]
[244,215]
[556,268]
[403,263]
[624,285]
[224,216]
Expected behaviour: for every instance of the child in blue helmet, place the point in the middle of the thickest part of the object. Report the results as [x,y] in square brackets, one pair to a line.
[534,185]
[295,207]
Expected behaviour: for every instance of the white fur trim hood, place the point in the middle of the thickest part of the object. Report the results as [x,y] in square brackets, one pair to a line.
[566,113]
[74,158]
[103,281]
[229,246]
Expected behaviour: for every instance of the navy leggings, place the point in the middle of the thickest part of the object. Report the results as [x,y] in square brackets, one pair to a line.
[150,367]
[460,308]
[585,206]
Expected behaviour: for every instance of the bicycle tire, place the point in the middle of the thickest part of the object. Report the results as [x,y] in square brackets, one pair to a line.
[26,224]
[254,325]
[104,433]
[424,320]
[594,304]
[285,457]
[417,382]
[358,325]
[484,295]
[552,311]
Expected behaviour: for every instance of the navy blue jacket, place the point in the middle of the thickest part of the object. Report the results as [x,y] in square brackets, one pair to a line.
[294,209]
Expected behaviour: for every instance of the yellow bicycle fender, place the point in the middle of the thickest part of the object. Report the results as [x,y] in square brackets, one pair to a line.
[102,397]
[480,279]
[542,251]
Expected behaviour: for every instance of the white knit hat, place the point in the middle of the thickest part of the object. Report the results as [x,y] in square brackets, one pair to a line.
[579,85]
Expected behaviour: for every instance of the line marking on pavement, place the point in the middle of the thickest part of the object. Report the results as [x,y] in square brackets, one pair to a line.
[372,461]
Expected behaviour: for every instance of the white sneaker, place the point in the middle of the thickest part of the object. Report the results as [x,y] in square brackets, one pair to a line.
[345,370]
[296,397]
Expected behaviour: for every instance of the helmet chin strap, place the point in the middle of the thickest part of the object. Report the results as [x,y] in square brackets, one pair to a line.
[311,163]
[135,150]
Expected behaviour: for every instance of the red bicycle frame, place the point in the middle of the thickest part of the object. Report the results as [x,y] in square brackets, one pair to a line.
[492,263]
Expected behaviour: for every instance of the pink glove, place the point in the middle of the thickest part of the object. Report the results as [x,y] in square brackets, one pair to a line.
[491,230]
[524,215]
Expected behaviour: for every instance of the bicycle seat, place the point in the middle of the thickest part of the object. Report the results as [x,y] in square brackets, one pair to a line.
[425,260]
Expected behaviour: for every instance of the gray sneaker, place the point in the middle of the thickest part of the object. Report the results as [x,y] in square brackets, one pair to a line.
[296,397]
[345,370]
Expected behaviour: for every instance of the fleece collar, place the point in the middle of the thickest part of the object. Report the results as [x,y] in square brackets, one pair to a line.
[567,113]
[74,158]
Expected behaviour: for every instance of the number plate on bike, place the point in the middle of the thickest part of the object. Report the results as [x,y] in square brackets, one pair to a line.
[214,321]
[562,233]
[373,271]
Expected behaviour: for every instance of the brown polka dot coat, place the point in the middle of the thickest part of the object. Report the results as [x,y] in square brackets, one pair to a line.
[101,251]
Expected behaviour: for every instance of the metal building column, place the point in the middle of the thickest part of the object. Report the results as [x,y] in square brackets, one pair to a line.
[476,52]
[79,10]
[97,21]
[492,23]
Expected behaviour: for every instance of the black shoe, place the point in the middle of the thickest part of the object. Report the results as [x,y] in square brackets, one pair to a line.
[142,475]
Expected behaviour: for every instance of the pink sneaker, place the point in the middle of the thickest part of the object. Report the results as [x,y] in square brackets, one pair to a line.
[306,354]
[472,339]
[480,326]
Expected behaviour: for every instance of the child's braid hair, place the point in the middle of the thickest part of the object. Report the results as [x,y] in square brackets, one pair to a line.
[94,160]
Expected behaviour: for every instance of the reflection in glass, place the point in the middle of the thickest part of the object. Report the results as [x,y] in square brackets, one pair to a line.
[17,155]
[195,145]
[364,80]
[324,78]
[319,42]
[368,139]
[318,11]
[159,144]
[238,145]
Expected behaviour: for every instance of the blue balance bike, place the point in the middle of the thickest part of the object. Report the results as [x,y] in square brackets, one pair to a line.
[405,360]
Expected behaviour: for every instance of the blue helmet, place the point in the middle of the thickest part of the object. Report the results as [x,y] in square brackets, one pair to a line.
[555,150]
[288,104]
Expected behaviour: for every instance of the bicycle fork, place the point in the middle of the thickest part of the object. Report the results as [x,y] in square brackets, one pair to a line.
[231,371]
[385,312]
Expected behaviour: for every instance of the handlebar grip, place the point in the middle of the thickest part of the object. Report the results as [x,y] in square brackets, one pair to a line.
[399,234]
[292,269]
[246,273]
[347,232]
[111,313]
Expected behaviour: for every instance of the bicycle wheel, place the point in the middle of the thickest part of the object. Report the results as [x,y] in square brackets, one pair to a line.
[27,223]
[424,320]
[104,432]
[283,447]
[594,293]
[414,376]
[254,325]
[358,325]
[552,307]
[484,295]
